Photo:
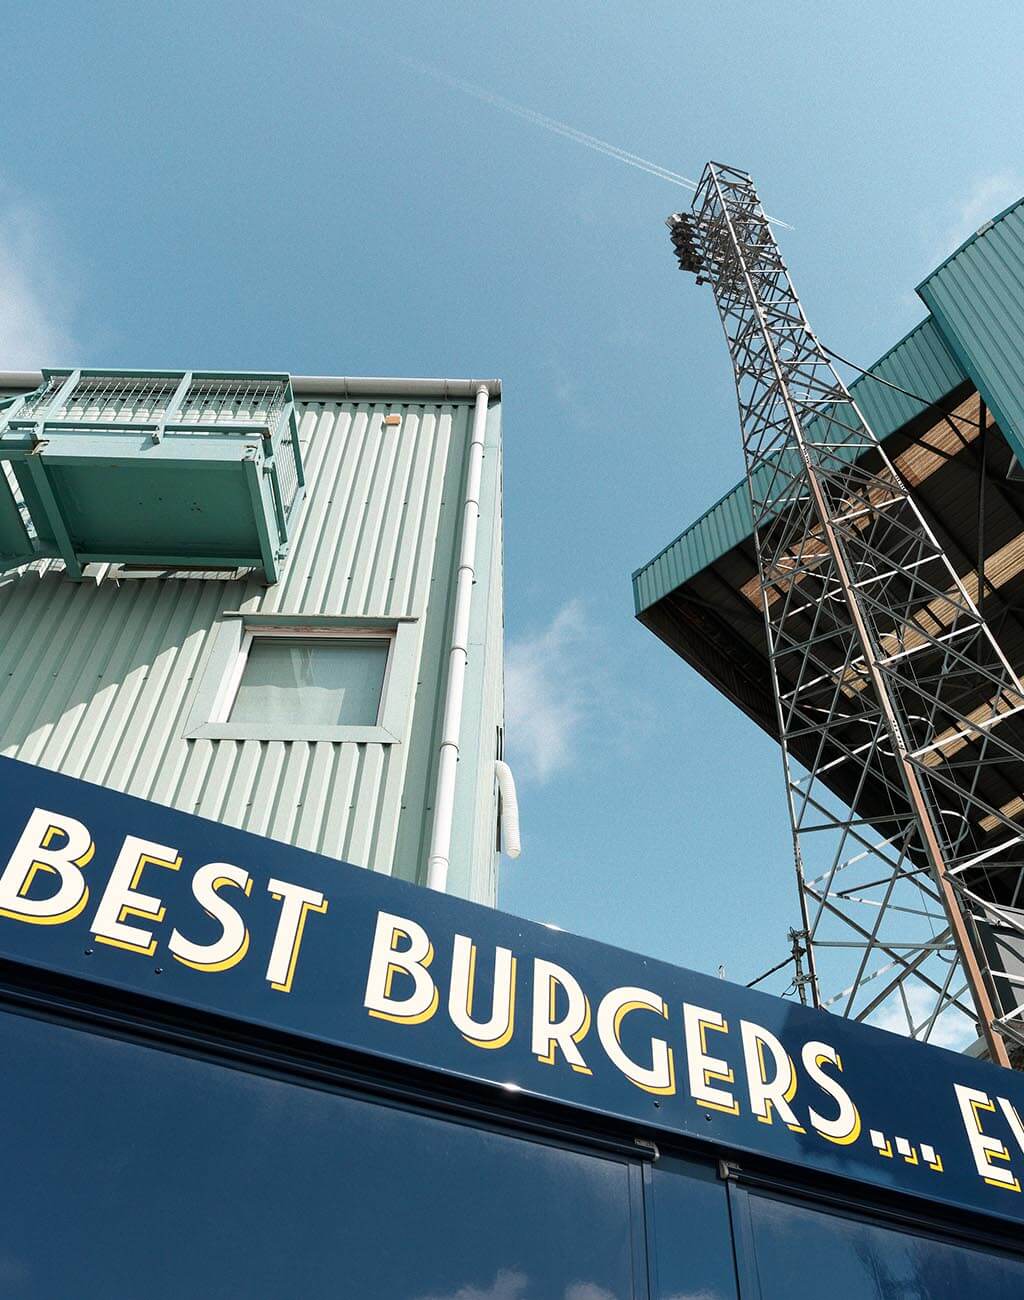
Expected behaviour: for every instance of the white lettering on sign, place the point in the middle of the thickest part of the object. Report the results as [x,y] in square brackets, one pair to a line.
[705,1070]
[233,944]
[122,899]
[401,949]
[660,1076]
[402,986]
[637,1034]
[55,845]
[985,1147]
[296,904]
[770,1087]
[44,882]
[497,1030]
[552,1032]
[843,1127]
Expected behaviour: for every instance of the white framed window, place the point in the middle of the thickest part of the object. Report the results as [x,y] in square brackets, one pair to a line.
[307,676]
[276,678]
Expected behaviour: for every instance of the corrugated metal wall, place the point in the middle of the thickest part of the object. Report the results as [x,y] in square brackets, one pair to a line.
[920,362]
[97,681]
[977,296]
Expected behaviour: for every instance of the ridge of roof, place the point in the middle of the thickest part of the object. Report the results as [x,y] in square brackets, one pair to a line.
[983,229]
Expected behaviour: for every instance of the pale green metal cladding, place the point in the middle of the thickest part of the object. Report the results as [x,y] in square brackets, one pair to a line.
[99,680]
[920,363]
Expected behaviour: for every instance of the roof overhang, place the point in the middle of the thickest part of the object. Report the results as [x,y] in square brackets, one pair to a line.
[701,595]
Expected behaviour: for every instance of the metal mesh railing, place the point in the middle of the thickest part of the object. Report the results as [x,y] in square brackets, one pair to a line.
[146,399]
[78,421]
[117,399]
[42,396]
[216,401]
[287,472]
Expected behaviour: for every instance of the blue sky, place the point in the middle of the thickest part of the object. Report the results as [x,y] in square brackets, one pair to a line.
[270,186]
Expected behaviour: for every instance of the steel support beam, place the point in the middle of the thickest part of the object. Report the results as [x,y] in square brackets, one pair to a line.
[881,662]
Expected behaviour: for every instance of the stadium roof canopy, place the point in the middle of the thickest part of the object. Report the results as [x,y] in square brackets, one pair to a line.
[701,595]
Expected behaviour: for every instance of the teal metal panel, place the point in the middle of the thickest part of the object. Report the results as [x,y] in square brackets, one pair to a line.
[15,543]
[977,296]
[920,362]
[170,466]
[711,536]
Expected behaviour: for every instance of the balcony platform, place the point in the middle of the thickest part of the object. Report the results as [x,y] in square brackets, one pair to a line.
[168,469]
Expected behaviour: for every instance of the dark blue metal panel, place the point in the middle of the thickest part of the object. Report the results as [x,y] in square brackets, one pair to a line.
[689,1231]
[132,1172]
[654,1045]
[791,1249]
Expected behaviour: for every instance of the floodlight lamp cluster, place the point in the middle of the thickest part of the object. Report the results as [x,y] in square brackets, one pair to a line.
[683,233]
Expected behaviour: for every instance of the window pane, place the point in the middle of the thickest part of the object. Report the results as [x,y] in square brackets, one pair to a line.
[260,1188]
[692,1236]
[325,681]
[805,1252]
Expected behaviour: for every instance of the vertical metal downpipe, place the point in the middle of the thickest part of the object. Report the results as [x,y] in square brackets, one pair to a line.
[458,653]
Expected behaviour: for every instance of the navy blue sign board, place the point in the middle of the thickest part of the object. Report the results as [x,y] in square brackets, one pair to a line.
[138,897]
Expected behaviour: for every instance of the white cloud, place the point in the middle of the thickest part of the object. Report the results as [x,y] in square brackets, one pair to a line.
[571,392]
[548,692]
[587,1291]
[986,197]
[506,1286]
[952,1029]
[35,305]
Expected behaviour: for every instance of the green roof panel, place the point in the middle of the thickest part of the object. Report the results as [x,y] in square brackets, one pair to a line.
[977,298]
[920,363]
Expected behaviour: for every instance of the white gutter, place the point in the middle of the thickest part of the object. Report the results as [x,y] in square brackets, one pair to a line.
[439,390]
[27,379]
[343,386]
[458,653]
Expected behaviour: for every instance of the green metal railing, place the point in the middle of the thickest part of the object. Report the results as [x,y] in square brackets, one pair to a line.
[188,420]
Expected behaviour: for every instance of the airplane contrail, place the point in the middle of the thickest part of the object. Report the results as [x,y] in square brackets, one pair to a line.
[555,126]
[531,115]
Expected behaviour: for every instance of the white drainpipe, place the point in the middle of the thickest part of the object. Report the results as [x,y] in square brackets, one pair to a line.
[510,841]
[448,758]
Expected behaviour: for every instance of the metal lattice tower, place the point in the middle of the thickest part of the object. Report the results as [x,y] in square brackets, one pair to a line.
[888,682]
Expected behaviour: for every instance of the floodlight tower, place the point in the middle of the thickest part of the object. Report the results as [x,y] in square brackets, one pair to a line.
[889,685]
